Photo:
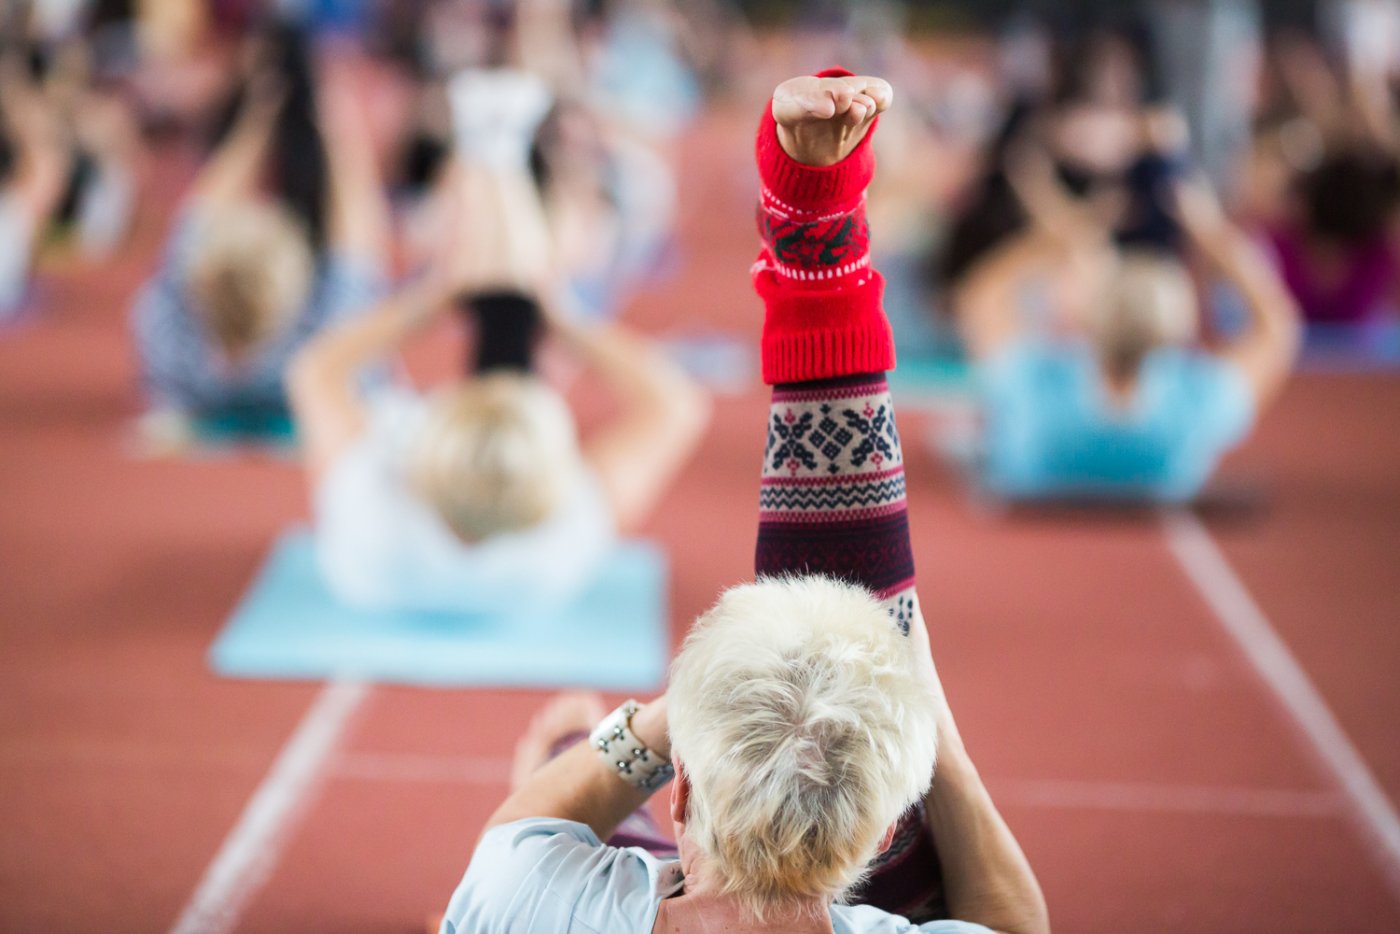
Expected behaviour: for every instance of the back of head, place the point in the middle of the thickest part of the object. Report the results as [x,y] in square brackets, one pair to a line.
[250,273]
[498,453]
[1351,196]
[805,731]
[1150,303]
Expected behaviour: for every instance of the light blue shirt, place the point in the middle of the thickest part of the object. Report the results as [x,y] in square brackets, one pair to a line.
[1050,429]
[543,874]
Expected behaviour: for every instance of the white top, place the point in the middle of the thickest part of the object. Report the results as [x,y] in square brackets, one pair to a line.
[544,874]
[381,547]
[16,241]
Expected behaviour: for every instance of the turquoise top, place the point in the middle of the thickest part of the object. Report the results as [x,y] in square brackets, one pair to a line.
[1052,431]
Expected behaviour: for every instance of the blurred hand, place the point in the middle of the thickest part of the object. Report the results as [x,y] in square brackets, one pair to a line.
[820,120]
[1199,210]
[264,95]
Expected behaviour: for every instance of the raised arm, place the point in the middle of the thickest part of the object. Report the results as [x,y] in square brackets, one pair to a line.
[329,412]
[42,159]
[661,413]
[986,875]
[1267,350]
[662,418]
[359,214]
[832,489]
[231,172]
[832,494]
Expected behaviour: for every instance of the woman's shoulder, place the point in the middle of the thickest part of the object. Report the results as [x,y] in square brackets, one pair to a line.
[548,873]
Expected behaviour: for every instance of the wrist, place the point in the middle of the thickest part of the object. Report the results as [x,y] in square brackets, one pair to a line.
[806,187]
[649,725]
[624,751]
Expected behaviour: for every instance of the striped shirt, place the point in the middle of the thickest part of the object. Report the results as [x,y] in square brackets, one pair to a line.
[183,367]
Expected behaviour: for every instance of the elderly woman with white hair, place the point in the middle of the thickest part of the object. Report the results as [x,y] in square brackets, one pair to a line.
[804,711]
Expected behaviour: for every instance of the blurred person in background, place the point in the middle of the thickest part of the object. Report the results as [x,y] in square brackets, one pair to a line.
[284,232]
[804,711]
[1081,94]
[604,172]
[480,497]
[1324,177]
[1208,53]
[33,169]
[1085,333]
[82,57]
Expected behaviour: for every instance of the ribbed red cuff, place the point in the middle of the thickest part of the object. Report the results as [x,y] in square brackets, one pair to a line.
[811,188]
[823,333]
[819,330]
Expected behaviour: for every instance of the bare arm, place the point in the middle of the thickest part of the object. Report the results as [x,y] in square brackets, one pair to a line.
[988,298]
[231,173]
[986,876]
[1267,350]
[329,412]
[577,785]
[43,158]
[546,45]
[1063,236]
[359,218]
[662,418]
[1053,210]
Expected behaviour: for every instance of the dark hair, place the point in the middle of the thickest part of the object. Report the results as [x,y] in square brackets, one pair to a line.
[298,157]
[1351,196]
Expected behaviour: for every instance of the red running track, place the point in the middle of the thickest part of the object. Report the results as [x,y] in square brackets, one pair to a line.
[1156,779]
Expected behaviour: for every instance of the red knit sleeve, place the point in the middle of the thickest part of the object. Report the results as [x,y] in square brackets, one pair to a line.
[823,315]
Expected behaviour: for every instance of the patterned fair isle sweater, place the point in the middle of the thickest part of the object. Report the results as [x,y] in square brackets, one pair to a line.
[832,492]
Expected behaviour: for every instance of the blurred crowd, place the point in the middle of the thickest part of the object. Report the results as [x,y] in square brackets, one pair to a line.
[1100,209]
[1121,224]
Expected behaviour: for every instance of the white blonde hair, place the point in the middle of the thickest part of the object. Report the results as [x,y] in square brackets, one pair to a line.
[496,454]
[250,271]
[1150,302]
[805,731]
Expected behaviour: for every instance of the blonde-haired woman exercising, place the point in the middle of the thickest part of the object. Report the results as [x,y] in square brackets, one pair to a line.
[480,496]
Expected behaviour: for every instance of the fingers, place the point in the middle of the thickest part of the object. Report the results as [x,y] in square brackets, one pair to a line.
[854,100]
[822,106]
[876,93]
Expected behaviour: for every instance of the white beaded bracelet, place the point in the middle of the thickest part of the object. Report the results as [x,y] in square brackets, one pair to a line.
[628,756]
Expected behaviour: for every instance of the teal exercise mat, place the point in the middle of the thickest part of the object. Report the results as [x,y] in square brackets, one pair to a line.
[269,427]
[288,626]
[935,376]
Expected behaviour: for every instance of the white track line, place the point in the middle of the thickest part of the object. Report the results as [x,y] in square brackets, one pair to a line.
[1090,795]
[403,767]
[1241,617]
[251,849]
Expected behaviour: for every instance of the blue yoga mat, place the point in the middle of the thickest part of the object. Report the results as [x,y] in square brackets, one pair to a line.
[289,626]
[1359,348]
[916,377]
